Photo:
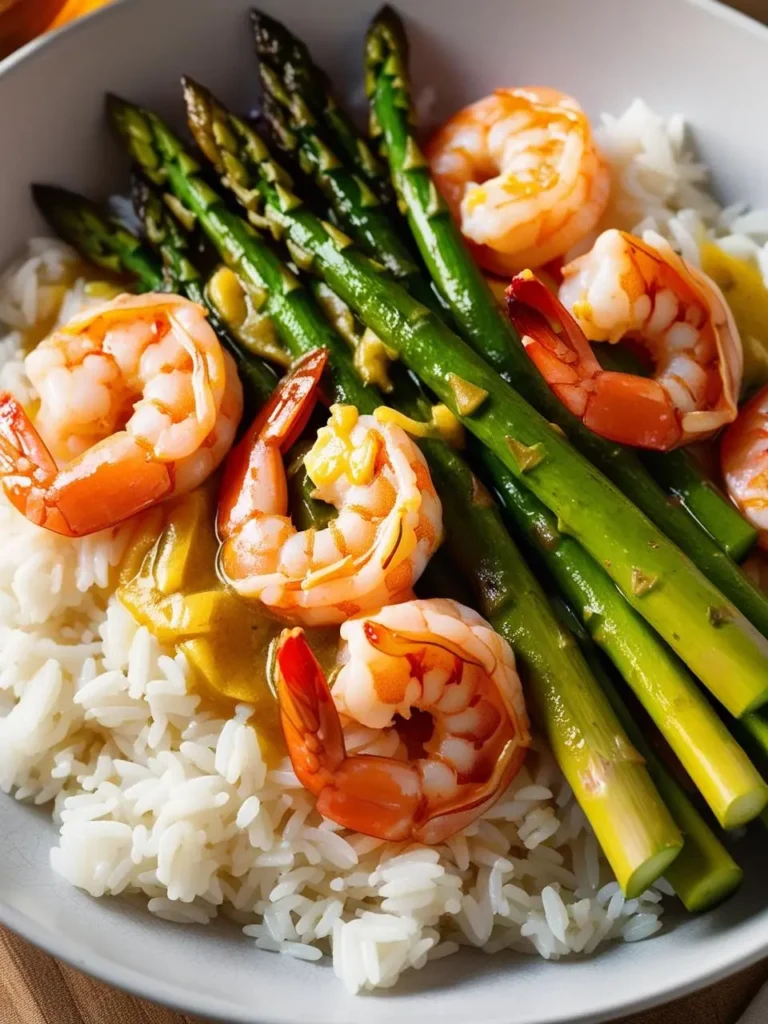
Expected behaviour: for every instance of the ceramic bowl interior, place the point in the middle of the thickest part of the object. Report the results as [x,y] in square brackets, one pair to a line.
[693,57]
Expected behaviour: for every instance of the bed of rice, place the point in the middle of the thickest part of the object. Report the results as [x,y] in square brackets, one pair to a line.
[153,793]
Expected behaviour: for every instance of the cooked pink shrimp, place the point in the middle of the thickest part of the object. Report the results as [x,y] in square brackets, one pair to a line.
[435,657]
[744,461]
[389,521]
[625,287]
[522,176]
[137,399]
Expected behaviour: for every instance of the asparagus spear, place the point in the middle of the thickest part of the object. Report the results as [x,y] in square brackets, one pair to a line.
[108,244]
[724,775]
[488,330]
[705,873]
[278,47]
[581,728]
[357,208]
[716,641]
[100,239]
[679,475]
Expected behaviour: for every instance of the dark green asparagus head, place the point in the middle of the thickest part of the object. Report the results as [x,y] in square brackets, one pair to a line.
[386,48]
[279,47]
[165,223]
[239,154]
[386,56]
[291,80]
[96,235]
[150,142]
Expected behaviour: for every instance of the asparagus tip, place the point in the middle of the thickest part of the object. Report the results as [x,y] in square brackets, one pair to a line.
[118,109]
[200,104]
[140,193]
[45,195]
[53,201]
[115,102]
[271,38]
[388,16]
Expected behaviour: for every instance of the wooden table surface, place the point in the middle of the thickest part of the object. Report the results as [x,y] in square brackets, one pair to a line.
[36,989]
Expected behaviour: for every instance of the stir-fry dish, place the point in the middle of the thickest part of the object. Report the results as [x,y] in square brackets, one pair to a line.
[384,521]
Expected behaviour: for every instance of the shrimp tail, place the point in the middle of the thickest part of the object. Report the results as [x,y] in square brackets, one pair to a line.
[285,415]
[26,465]
[310,721]
[622,407]
[279,424]
[373,795]
[119,472]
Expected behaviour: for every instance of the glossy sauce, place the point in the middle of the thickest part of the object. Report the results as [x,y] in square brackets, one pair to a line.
[169,582]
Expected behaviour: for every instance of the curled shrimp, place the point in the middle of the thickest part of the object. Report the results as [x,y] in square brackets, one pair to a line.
[389,519]
[138,401]
[522,176]
[435,657]
[744,462]
[626,287]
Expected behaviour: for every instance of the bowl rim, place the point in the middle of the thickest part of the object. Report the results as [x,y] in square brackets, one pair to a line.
[166,994]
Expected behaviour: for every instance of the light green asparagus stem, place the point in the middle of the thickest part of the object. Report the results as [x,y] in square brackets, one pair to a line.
[705,873]
[722,772]
[709,633]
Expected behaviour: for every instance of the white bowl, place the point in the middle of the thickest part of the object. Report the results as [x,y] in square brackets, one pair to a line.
[698,58]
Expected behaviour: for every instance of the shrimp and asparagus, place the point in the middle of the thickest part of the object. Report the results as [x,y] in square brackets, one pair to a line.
[510,185]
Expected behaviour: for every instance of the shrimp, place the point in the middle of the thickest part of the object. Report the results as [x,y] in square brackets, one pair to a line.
[744,462]
[138,401]
[626,287]
[521,175]
[389,521]
[434,657]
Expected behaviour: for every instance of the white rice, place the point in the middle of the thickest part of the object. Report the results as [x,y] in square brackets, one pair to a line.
[659,185]
[154,794]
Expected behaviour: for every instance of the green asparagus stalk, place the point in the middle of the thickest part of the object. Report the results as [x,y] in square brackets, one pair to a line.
[108,244]
[722,772]
[709,633]
[488,330]
[581,727]
[679,475]
[755,735]
[279,48]
[580,724]
[99,238]
[705,873]
[356,206]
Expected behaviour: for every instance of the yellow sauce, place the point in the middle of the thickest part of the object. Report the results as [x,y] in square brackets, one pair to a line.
[169,582]
[742,285]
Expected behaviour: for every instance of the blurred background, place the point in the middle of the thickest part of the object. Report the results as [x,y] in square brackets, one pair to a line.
[23,20]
